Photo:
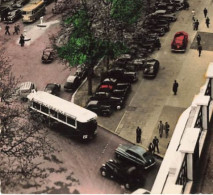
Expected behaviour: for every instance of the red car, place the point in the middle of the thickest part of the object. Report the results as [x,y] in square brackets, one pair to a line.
[179,42]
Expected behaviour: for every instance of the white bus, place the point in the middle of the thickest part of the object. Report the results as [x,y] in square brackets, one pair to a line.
[79,119]
[33,11]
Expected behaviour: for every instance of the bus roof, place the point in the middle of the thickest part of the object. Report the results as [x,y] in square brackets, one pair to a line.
[32,5]
[61,105]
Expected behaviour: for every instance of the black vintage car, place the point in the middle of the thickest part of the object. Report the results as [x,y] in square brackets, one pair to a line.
[53,88]
[123,59]
[127,175]
[99,108]
[155,24]
[168,7]
[72,83]
[13,16]
[122,76]
[160,31]
[20,3]
[4,10]
[151,68]
[106,98]
[135,155]
[168,17]
[48,55]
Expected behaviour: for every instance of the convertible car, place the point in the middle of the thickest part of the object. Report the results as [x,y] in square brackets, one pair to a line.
[179,42]
[135,155]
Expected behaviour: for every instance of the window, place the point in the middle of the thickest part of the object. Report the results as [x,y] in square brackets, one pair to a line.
[36,105]
[44,109]
[61,117]
[71,121]
[53,113]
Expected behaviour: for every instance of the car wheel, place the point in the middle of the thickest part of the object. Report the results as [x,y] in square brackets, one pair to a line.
[103,173]
[127,186]
[118,107]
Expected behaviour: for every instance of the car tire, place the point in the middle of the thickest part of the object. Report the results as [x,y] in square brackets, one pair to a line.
[103,173]
[127,186]
[118,107]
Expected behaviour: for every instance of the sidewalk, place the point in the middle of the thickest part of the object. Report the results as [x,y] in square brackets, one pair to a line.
[152,100]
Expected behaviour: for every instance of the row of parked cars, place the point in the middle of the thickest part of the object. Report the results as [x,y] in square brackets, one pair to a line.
[129,166]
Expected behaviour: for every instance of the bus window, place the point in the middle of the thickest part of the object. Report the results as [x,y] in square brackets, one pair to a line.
[44,109]
[71,121]
[53,113]
[36,105]
[61,117]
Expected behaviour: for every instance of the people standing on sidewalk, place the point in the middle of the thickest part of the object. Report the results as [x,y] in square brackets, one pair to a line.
[196,24]
[207,22]
[205,11]
[16,29]
[166,128]
[21,41]
[175,87]
[138,135]
[7,28]
[151,148]
[155,144]
[199,48]
[198,39]
[160,128]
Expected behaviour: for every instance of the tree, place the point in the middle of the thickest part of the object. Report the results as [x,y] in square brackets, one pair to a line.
[22,136]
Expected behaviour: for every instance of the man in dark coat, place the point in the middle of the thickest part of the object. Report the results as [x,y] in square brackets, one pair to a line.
[207,22]
[155,144]
[166,128]
[138,135]
[199,49]
[160,128]
[205,11]
[196,24]
[175,87]
[198,39]
[7,27]
[21,41]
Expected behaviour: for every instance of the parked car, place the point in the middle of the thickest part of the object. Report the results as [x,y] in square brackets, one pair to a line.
[155,23]
[53,88]
[106,98]
[48,55]
[20,3]
[4,10]
[13,16]
[168,7]
[179,42]
[99,108]
[136,155]
[151,68]
[127,175]
[24,89]
[160,31]
[123,59]
[122,76]
[168,17]
[81,71]
[72,83]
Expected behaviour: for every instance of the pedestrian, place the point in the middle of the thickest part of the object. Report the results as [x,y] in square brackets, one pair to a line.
[21,41]
[7,28]
[205,11]
[138,135]
[175,87]
[207,22]
[196,24]
[199,48]
[160,128]
[198,39]
[193,14]
[166,128]
[151,148]
[155,144]
[16,29]
[158,44]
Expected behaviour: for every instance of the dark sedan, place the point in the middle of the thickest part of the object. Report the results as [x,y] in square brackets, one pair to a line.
[136,155]
[72,83]
[53,88]
[127,175]
[160,16]
[13,16]
[179,42]
[48,55]
[151,68]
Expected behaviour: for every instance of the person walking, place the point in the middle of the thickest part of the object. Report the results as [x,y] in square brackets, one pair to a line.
[193,14]
[138,135]
[160,128]
[155,144]
[198,39]
[7,28]
[205,11]
[196,24]
[175,87]
[207,22]
[21,41]
[151,147]
[16,29]
[166,128]
[199,48]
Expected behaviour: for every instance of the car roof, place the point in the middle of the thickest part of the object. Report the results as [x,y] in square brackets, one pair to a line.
[181,32]
[71,78]
[137,149]
[93,102]
[25,85]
